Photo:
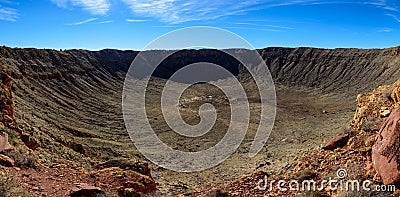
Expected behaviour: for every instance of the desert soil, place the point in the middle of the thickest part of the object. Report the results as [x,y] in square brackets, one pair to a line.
[305,119]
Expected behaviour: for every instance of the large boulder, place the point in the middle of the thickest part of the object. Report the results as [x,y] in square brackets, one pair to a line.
[84,189]
[386,150]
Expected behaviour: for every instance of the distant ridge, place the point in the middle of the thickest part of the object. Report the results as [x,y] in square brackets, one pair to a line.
[341,69]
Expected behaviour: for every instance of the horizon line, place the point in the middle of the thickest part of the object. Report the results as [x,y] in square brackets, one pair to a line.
[195,48]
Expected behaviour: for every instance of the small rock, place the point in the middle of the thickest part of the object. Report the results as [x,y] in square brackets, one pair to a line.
[6,161]
[336,142]
[305,174]
[36,188]
[385,113]
[4,142]
[85,189]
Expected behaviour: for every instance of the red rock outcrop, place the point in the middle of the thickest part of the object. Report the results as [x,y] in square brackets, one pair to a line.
[6,100]
[386,150]
[378,116]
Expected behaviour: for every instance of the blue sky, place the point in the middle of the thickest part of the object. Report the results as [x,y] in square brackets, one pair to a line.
[131,24]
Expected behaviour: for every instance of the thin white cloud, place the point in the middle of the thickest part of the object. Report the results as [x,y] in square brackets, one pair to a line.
[262,25]
[179,11]
[84,22]
[105,22]
[167,26]
[385,30]
[8,14]
[254,28]
[96,7]
[135,20]
[384,4]
[394,17]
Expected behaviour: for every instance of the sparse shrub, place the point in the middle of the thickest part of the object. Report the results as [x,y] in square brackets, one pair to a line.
[217,193]
[387,94]
[5,130]
[368,125]
[9,187]
[220,193]
[21,160]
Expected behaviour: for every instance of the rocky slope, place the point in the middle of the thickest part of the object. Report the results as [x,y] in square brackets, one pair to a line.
[349,70]
[68,103]
[84,87]
[6,99]
[36,83]
[356,156]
